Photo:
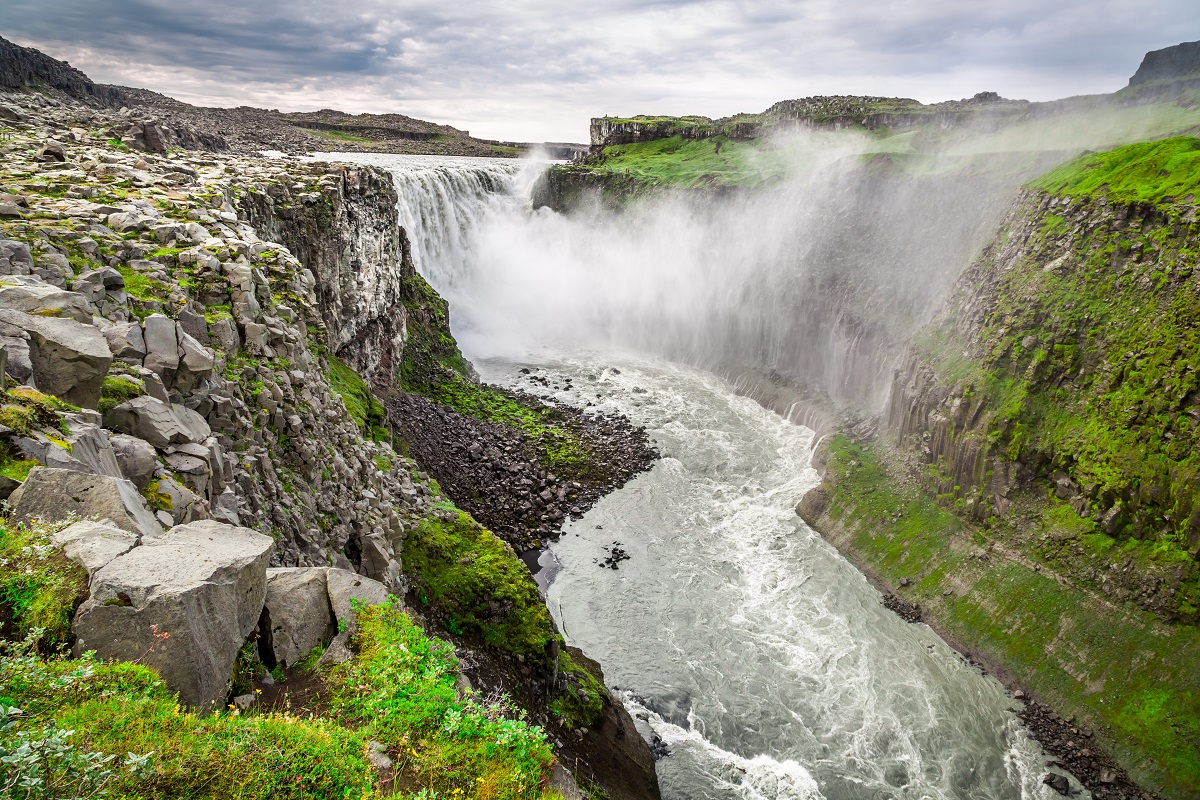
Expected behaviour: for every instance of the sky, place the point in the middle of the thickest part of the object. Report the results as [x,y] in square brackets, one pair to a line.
[538,70]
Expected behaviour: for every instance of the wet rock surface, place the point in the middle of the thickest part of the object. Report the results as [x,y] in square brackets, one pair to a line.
[1077,752]
[492,470]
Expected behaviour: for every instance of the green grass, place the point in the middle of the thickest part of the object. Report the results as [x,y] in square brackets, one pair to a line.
[39,587]
[1122,672]
[1147,172]
[689,163]
[398,691]
[343,136]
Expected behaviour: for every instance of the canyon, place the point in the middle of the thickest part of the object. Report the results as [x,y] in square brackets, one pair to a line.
[729,368]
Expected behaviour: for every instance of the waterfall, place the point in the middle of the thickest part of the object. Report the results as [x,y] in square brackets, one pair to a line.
[816,283]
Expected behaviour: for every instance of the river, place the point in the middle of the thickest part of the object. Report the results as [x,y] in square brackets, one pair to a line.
[762,658]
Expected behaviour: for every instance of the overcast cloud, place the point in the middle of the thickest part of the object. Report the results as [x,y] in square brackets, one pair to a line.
[537,70]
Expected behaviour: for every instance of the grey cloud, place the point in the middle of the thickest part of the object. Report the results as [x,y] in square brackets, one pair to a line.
[522,70]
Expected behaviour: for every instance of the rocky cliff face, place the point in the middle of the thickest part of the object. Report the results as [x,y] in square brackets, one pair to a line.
[24,66]
[189,342]
[1065,363]
[1179,61]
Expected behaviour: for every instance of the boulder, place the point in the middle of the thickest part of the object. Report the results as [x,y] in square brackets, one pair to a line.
[90,446]
[67,359]
[195,363]
[298,615]
[46,300]
[15,258]
[54,494]
[136,458]
[126,342]
[161,424]
[182,604]
[93,545]
[162,346]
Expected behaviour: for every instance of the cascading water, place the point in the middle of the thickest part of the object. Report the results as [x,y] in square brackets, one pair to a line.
[751,647]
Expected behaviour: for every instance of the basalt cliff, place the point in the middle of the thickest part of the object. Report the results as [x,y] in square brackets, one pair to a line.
[224,554]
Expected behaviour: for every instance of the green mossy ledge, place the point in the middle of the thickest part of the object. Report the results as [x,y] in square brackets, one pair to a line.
[1067,363]
[1117,669]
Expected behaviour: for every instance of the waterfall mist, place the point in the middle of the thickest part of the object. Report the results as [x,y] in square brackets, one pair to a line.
[816,281]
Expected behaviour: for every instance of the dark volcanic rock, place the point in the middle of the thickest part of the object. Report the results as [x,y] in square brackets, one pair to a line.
[1077,753]
[492,470]
[1177,61]
[22,67]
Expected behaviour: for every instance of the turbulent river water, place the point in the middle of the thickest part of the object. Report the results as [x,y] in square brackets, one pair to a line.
[759,655]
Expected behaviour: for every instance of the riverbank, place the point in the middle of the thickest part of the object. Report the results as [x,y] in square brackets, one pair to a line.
[1105,669]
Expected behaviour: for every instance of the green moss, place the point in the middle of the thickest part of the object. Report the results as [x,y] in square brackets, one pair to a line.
[1147,172]
[1118,669]
[217,313]
[573,709]
[156,499]
[140,286]
[24,410]
[116,389]
[368,413]
[463,568]
[39,587]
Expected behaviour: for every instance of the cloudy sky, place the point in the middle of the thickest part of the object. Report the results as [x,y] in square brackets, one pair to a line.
[534,70]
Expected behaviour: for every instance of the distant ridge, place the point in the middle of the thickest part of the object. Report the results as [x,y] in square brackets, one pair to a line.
[1177,61]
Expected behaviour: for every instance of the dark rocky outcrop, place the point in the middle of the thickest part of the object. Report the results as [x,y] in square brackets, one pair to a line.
[24,67]
[1178,61]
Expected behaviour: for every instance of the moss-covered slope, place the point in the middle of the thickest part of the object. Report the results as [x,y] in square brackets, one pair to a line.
[1066,363]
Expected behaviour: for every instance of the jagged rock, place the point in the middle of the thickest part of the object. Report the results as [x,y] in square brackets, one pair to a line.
[11,211]
[51,151]
[93,545]
[298,615]
[136,458]
[195,363]
[162,346]
[126,342]
[203,584]
[813,505]
[55,494]
[157,422]
[67,358]
[95,283]
[15,258]
[7,486]
[91,447]
[225,509]
[183,504]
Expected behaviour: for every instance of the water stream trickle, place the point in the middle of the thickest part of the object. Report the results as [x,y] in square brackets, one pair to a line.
[761,657]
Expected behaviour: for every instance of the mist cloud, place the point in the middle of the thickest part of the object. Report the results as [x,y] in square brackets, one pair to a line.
[539,69]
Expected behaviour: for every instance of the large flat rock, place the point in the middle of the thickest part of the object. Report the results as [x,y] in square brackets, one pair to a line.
[201,584]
